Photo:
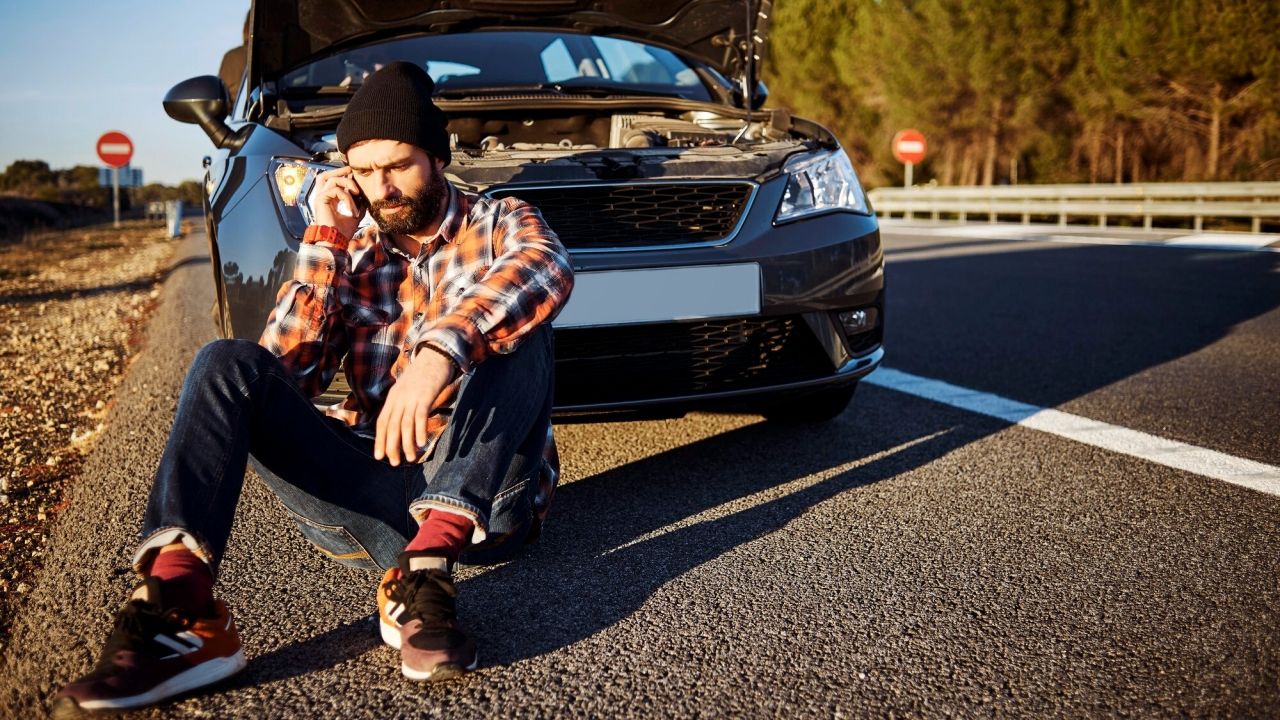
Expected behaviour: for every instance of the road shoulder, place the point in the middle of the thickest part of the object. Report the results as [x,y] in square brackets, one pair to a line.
[85,572]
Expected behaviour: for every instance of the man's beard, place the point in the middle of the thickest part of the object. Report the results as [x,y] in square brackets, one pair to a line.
[419,210]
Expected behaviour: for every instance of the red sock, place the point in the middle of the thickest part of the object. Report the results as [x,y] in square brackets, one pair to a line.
[188,583]
[442,532]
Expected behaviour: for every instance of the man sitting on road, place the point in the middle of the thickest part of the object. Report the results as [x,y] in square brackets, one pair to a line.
[442,314]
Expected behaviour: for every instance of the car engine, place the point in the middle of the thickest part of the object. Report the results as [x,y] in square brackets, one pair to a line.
[498,146]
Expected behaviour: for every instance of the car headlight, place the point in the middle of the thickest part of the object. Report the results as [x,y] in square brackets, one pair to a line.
[292,180]
[820,183]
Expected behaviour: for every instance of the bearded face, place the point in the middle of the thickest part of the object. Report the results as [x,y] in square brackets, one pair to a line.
[407,214]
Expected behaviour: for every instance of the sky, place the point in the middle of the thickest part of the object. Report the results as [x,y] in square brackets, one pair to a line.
[78,68]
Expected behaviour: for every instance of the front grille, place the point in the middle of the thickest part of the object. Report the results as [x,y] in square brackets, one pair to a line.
[642,362]
[600,217]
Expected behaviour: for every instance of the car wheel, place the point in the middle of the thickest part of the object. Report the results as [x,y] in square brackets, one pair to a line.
[809,408]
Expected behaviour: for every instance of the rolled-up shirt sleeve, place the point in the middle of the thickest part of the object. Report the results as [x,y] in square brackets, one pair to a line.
[528,284]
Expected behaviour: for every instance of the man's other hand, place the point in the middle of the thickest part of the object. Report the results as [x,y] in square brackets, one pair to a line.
[333,187]
[402,424]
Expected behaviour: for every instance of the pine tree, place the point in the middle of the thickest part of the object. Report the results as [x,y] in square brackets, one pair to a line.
[1047,90]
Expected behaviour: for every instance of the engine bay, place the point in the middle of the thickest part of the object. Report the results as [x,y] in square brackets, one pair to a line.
[500,146]
[528,131]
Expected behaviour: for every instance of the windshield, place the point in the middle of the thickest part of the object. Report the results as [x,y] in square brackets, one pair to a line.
[512,60]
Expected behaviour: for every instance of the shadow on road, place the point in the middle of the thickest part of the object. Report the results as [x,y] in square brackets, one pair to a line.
[618,537]
[320,652]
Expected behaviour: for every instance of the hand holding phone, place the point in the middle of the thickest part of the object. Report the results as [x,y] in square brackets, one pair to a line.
[337,201]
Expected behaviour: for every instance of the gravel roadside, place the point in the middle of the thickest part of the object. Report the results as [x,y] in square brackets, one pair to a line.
[72,308]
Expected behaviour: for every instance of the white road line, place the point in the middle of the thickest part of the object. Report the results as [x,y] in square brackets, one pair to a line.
[1245,241]
[1170,453]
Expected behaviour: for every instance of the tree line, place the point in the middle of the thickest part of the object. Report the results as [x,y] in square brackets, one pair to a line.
[1040,90]
[78,186]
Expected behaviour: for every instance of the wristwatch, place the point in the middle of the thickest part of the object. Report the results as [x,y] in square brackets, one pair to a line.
[325,233]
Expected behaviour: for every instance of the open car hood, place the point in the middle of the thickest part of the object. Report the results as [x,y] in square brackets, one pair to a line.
[721,33]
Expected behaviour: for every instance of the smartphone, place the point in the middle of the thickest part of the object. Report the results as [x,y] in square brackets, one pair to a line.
[362,207]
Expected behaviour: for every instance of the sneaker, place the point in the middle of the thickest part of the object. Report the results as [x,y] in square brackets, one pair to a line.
[417,614]
[153,654]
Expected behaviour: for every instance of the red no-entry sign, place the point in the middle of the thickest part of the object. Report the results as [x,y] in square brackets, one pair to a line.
[115,149]
[909,146]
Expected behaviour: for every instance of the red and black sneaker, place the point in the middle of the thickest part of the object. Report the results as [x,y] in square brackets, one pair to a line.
[154,653]
[417,614]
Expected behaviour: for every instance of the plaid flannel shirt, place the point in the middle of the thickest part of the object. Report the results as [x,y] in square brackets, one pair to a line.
[492,274]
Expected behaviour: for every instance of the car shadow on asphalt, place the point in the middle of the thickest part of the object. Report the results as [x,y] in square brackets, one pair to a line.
[618,537]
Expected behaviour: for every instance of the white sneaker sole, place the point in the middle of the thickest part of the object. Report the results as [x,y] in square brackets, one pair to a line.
[206,673]
[390,633]
[441,672]
[391,636]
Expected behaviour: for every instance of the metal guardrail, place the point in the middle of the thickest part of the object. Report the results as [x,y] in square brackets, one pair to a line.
[1253,200]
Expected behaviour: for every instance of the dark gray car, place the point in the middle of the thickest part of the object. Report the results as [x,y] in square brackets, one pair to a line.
[725,254]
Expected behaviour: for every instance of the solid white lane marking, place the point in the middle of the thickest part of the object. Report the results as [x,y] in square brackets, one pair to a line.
[1170,453]
[1248,241]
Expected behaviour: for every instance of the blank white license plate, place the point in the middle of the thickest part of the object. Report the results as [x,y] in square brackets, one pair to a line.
[624,297]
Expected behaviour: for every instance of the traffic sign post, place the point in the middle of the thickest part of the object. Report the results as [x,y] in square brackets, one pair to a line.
[909,148]
[115,149]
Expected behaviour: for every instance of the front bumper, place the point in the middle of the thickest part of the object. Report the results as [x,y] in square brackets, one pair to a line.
[673,403]
[810,270]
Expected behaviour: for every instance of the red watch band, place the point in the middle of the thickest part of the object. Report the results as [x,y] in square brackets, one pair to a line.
[325,233]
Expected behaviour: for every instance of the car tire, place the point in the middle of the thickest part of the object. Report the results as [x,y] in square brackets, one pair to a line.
[809,408]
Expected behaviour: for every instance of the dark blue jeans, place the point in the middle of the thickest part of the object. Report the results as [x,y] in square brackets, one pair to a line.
[239,403]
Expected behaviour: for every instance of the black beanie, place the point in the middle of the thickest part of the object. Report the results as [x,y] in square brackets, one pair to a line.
[394,103]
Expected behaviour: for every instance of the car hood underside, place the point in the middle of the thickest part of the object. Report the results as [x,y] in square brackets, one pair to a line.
[722,33]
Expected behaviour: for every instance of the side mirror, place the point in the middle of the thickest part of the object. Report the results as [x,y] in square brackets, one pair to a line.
[203,101]
[758,96]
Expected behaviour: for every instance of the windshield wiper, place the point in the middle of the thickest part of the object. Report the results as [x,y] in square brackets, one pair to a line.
[593,87]
[464,91]
[559,88]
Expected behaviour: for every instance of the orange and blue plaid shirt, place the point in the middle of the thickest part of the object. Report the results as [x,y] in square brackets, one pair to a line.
[492,274]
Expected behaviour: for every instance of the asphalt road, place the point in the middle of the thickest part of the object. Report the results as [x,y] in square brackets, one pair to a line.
[908,559]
